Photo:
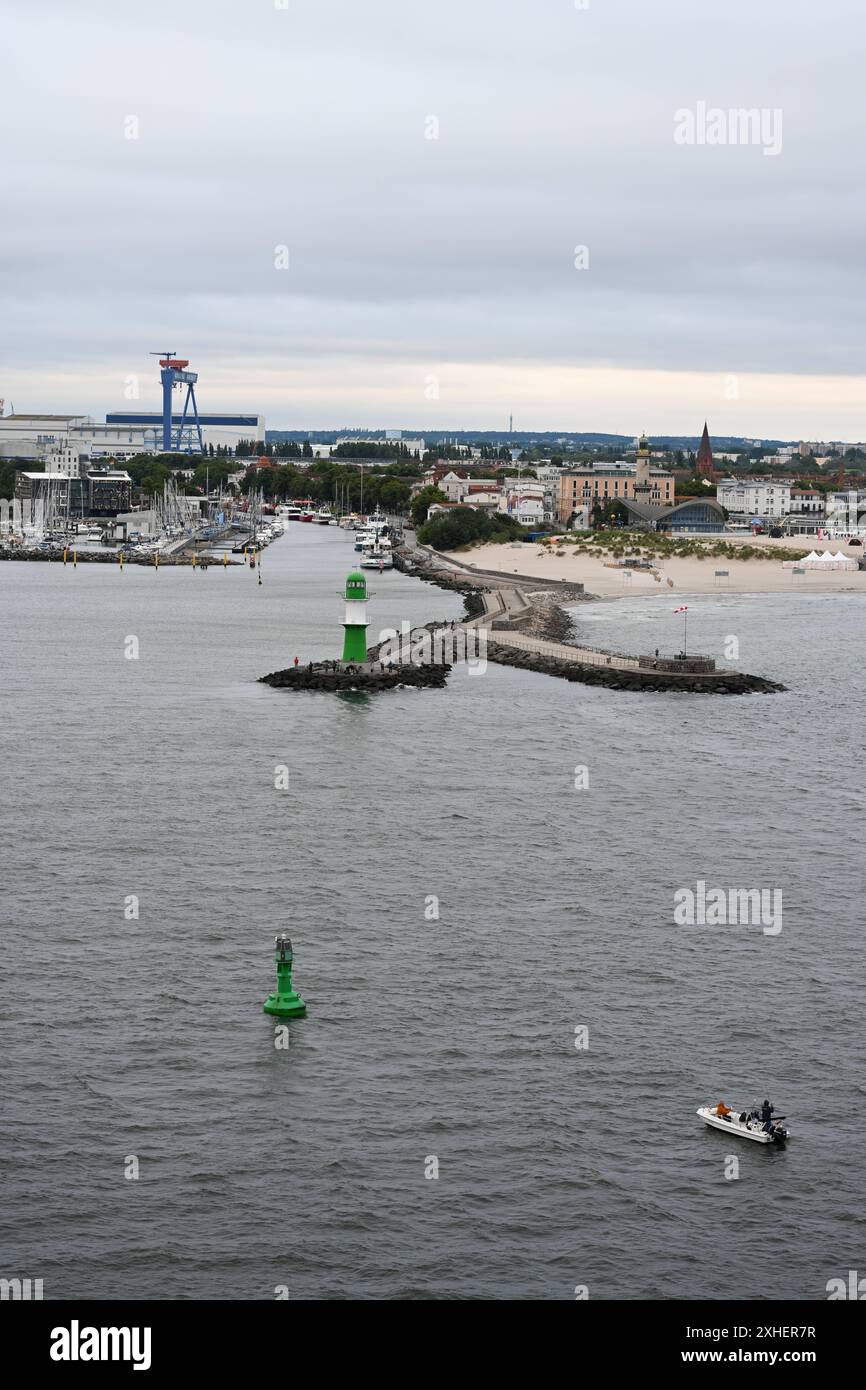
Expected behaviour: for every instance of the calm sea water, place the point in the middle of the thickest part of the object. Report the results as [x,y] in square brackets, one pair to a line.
[449,1038]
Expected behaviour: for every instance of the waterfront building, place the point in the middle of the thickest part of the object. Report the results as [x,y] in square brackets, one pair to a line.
[525,501]
[694,514]
[588,485]
[109,491]
[766,498]
[52,489]
[806,501]
[457,488]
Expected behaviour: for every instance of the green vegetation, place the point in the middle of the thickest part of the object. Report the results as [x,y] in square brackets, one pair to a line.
[608,512]
[8,470]
[651,545]
[329,481]
[464,526]
[372,449]
[422,501]
[695,486]
[283,449]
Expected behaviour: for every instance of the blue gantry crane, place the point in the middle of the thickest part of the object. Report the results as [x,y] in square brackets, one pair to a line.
[179,439]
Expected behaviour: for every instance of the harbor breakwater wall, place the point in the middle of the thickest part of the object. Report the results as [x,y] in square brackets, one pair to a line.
[689,675]
[331,676]
[110,557]
[646,679]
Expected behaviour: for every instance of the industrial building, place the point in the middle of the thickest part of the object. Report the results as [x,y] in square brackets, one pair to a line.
[126,433]
[120,437]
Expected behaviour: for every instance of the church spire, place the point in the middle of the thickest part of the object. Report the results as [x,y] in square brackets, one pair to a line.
[705,454]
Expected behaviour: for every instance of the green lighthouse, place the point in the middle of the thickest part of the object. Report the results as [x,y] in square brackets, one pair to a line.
[286,1003]
[355,621]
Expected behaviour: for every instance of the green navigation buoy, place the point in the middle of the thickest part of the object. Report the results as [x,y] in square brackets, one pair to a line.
[355,621]
[286,1002]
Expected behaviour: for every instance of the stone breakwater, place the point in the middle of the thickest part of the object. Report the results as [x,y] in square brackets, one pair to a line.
[322,676]
[531,609]
[547,617]
[659,681]
[109,557]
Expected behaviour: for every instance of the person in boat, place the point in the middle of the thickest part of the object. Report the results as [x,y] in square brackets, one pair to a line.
[767,1115]
[722,1110]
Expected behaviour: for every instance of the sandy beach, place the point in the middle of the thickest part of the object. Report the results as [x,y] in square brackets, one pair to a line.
[673,575]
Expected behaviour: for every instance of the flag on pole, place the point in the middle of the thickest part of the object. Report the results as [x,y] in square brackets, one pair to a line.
[684,609]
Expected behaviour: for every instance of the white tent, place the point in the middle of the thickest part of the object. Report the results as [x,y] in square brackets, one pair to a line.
[814,561]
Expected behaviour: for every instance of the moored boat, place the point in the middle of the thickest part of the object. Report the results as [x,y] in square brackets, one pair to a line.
[377,555]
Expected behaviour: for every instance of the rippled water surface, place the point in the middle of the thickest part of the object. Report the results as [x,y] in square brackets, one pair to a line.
[449,1038]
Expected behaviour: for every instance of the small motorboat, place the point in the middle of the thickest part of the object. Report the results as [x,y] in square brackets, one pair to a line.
[747,1124]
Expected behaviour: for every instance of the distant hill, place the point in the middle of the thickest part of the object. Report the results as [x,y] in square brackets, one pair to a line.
[521,439]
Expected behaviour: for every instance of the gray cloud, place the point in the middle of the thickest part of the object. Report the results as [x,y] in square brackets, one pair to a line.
[306,127]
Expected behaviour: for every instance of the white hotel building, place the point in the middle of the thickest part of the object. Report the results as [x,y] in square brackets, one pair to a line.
[749,497]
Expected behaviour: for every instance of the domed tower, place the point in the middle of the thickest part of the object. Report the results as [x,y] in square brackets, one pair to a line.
[642,484]
[355,621]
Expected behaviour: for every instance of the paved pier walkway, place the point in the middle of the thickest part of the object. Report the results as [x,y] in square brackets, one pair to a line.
[587,656]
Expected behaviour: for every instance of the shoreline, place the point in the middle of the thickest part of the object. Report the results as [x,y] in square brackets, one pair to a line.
[509,615]
[673,576]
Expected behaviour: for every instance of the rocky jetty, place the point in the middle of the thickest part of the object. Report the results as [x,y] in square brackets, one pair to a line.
[660,681]
[330,675]
[110,557]
[534,608]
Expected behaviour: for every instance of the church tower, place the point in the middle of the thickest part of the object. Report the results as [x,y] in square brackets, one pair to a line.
[705,455]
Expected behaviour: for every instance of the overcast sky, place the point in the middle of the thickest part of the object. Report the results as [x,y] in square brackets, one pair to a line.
[431,282]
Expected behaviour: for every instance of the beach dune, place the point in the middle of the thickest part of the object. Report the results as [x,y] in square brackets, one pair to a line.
[673,574]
